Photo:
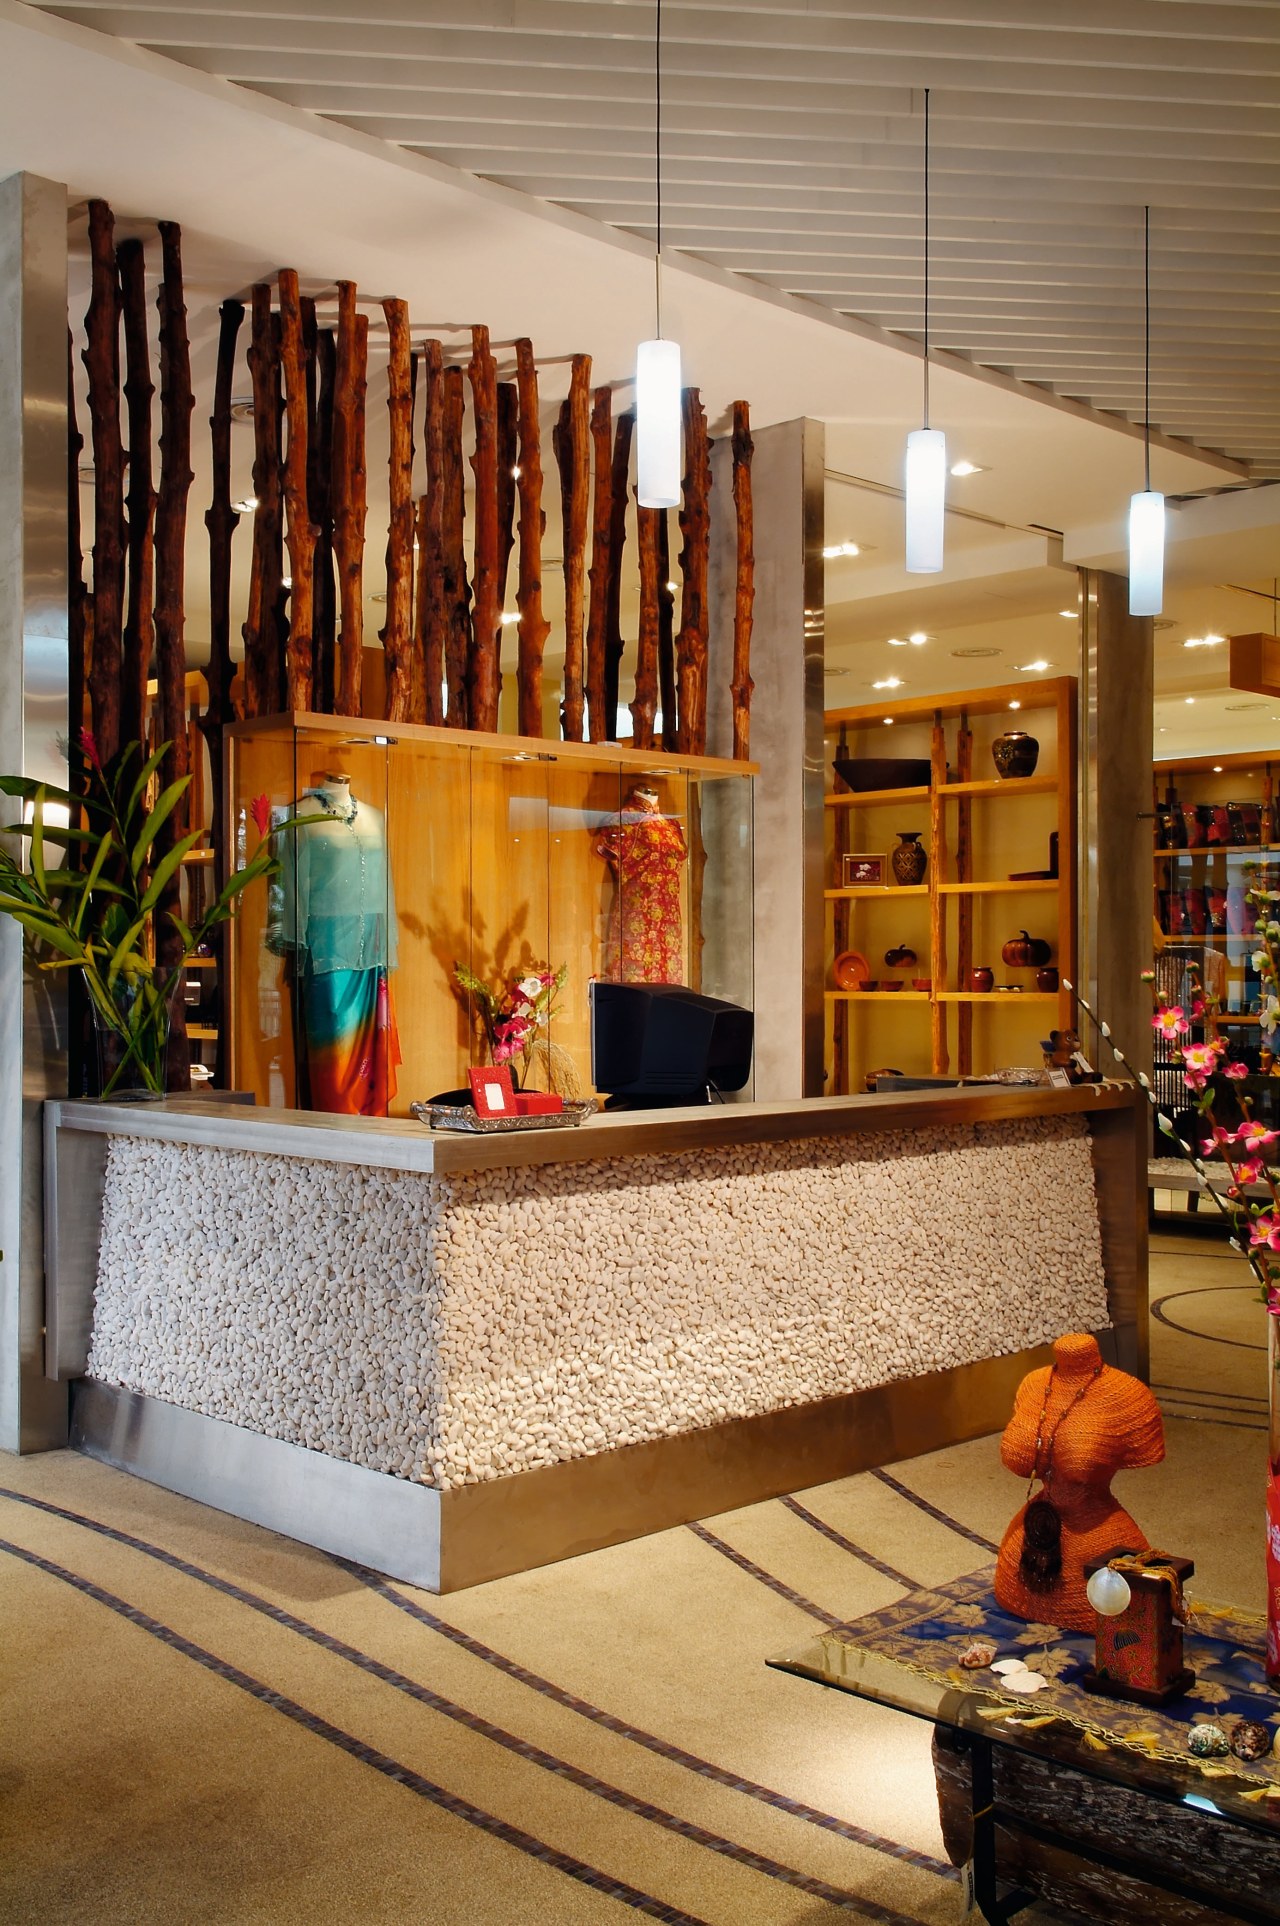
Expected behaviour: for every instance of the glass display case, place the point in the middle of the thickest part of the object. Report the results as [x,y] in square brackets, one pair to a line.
[410,852]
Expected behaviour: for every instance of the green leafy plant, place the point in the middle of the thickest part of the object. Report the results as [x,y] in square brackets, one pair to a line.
[99,915]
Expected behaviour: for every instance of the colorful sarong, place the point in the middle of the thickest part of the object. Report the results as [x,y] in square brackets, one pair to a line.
[348,1046]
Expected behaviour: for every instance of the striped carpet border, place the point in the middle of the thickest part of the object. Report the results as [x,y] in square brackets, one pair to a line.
[847,1545]
[922,1504]
[763,1577]
[475,1722]
[368,1755]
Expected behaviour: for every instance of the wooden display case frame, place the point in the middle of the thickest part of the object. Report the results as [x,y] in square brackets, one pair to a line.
[950,846]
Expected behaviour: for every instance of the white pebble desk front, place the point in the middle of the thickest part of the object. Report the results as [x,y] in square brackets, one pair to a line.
[454,1357]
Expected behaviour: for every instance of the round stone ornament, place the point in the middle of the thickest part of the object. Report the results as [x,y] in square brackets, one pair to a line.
[1250,1739]
[1207,1742]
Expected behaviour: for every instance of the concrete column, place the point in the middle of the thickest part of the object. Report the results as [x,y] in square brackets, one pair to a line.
[786,739]
[33,716]
[1116,721]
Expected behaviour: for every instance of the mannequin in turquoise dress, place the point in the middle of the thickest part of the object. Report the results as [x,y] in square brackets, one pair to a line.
[334,920]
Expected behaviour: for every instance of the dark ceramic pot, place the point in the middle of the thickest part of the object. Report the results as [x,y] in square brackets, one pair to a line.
[909,860]
[1047,978]
[1015,753]
[982,978]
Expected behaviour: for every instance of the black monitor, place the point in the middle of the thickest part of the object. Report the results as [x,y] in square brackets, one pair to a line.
[654,1044]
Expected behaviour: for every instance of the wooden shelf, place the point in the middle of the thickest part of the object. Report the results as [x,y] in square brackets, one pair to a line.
[878,996]
[863,891]
[1218,849]
[997,889]
[997,996]
[850,798]
[1004,786]
[198,856]
[201,963]
[202,1033]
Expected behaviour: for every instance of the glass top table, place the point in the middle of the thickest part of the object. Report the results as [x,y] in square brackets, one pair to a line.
[907,1656]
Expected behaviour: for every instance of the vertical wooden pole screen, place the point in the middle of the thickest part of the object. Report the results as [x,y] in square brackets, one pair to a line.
[483,676]
[666,636]
[456,589]
[397,636]
[263,695]
[598,723]
[573,457]
[77,593]
[102,363]
[619,479]
[534,627]
[508,462]
[322,369]
[644,707]
[695,527]
[138,635]
[431,560]
[745,585]
[349,493]
[221,520]
[176,403]
[300,531]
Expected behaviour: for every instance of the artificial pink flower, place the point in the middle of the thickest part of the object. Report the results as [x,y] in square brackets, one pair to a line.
[1197,1007]
[1200,1060]
[89,744]
[1249,1170]
[260,810]
[1256,1136]
[1235,1071]
[1170,1021]
[1265,1232]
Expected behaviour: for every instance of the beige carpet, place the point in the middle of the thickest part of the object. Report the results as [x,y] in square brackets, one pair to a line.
[203,1722]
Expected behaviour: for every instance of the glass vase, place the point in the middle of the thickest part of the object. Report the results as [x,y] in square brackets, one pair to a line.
[1273,1499]
[132,1040]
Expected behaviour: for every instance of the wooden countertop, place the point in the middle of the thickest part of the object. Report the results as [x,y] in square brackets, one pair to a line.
[396,1143]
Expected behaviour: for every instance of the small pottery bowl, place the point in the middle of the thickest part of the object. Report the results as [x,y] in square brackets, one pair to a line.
[850,970]
[922,983]
[891,983]
[870,983]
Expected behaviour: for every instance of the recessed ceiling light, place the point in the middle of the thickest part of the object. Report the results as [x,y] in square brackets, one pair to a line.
[245,506]
[1212,639]
[1072,615]
[379,595]
[1246,705]
[962,468]
[508,618]
[840,549]
[1189,700]
[86,471]
[831,674]
[672,587]
[1217,768]
[241,408]
[973,655]
[897,641]
[917,638]
[1163,622]
[1015,705]
[286,582]
[1034,668]
[888,722]
[889,682]
[1202,641]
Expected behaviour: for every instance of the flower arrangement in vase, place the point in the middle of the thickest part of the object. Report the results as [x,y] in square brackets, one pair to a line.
[515,1015]
[99,913]
[1248,1148]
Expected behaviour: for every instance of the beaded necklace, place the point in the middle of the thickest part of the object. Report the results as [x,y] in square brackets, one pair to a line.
[1041,1560]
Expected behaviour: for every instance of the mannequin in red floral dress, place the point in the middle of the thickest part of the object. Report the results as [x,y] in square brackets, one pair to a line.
[646,851]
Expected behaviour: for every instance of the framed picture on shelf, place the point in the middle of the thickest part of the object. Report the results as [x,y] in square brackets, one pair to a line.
[857,872]
[491,1091]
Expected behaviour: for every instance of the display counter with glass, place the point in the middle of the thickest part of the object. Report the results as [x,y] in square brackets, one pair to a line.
[453,1356]
[412,854]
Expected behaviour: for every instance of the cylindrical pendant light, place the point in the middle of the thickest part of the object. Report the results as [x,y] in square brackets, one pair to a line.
[925,480]
[658,361]
[658,424]
[1146,510]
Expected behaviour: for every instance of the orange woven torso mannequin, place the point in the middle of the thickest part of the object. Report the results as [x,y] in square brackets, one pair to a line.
[1091,1421]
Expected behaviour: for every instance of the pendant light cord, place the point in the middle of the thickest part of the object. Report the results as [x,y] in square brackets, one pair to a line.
[657,164]
[1146,345]
[926,255]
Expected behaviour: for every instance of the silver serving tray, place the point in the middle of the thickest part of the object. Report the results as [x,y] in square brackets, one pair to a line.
[447,1116]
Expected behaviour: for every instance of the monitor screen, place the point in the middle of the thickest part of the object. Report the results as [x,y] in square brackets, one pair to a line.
[659,1043]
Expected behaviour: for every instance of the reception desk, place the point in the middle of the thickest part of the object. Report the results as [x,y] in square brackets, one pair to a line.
[452,1357]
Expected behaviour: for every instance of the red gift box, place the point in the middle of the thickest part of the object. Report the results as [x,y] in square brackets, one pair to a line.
[538,1103]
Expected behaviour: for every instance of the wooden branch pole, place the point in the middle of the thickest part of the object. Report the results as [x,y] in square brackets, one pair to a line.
[77,593]
[745,585]
[534,627]
[644,707]
[397,635]
[102,362]
[695,527]
[300,532]
[483,677]
[508,462]
[139,633]
[263,694]
[619,485]
[455,589]
[666,636]
[573,457]
[176,404]
[431,561]
[350,494]
[320,507]
[598,721]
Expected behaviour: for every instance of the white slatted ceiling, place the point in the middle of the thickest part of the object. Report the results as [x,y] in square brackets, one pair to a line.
[792,156]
